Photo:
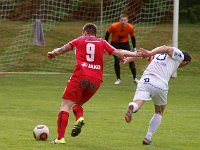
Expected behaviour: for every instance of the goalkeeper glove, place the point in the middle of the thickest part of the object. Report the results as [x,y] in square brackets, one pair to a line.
[133,50]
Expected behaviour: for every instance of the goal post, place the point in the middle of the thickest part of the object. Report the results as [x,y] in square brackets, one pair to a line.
[62,21]
[175,23]
[175,28]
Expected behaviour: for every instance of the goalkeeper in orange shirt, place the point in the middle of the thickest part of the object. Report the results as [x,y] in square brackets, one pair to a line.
[120,39]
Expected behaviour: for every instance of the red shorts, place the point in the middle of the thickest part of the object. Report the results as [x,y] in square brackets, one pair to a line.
[81,88]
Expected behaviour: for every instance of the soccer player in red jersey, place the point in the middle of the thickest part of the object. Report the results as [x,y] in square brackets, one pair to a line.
[86,79]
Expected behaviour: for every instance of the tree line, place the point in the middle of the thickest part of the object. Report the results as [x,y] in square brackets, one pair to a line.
[189,11]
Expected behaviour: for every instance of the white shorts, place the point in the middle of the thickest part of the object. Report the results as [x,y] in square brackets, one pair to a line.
[150,87]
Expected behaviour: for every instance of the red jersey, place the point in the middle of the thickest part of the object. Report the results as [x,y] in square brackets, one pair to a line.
[120,34]
[89,51]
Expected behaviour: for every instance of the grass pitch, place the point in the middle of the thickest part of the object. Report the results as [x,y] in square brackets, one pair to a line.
[29,100]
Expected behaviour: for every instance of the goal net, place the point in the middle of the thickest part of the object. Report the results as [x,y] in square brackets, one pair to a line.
[57,22]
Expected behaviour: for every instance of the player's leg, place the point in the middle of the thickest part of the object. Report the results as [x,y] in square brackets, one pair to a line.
[159,95]
[117,63]
[133,107]
[71,96]
[90,86]
[62,120]
[78,113]
[133,71]
[154,124]
[85,84]
[117,69]
[142,94]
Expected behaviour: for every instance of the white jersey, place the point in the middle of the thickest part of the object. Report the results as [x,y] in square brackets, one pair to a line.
[163,65]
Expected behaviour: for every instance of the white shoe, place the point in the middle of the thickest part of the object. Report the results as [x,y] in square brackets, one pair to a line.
[136,81]
[118,81]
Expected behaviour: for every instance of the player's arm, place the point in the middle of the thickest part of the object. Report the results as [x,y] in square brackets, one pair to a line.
[109,31]
[162,49]
[120,53]
[127,56]
[131,54]
[129,59]
[133,40]
[107,36]
[59,51]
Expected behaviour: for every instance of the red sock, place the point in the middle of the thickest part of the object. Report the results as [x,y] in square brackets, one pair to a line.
[78,111]
[62,123]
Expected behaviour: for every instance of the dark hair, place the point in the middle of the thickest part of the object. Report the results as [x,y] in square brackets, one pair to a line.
[90,28]
[123,15]
[187,56]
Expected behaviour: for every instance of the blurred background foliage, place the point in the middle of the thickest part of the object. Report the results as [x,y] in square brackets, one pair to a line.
[189,11]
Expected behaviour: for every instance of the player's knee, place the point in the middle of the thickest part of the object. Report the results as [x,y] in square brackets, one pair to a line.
[66,105]
[159,109]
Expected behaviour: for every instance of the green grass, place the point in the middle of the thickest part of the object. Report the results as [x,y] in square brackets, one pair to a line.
[29,100]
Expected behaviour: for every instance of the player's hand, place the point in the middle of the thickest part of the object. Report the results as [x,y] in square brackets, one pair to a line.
[128,59]
[121,56]
[50,55]
[145,53]
[125,60]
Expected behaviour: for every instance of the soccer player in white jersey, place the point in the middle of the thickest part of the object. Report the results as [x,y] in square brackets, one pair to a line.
[154,83]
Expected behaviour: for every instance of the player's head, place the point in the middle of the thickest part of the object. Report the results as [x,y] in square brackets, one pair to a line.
[90,29]
[123,19]
[186,60]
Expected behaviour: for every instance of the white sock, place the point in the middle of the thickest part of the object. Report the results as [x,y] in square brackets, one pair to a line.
[135,106]
[153,125]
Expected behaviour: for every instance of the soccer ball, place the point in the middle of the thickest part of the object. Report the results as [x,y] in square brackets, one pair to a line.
[41,132]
